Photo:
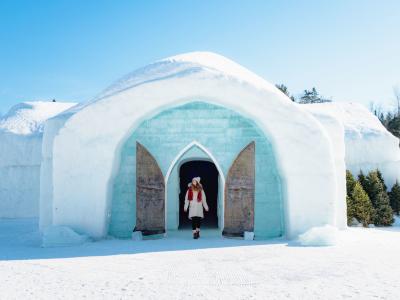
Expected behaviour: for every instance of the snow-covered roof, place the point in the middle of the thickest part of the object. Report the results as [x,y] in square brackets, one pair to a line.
[357,120]
[368,144]
[184,64]
[29,117]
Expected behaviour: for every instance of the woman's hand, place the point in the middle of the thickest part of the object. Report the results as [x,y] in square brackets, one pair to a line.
[206,209]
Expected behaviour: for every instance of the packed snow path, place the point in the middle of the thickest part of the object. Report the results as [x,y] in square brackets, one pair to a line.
[364,265]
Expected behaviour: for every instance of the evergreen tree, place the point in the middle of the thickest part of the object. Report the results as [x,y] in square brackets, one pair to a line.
[312,96]
[381,179]
[350,182]
[394,197]
[373,187]
[350,210]
[379,199]
[285,90]
[363,181]
[393,125]
[383,211]
[359,206]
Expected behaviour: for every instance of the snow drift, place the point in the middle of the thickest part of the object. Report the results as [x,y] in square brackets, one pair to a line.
[62,236]
[319,236]
[21,131]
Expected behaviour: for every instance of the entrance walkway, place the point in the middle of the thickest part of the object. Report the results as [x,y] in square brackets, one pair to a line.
[187,233]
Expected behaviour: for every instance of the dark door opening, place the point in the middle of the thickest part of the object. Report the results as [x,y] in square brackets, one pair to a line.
[209,179]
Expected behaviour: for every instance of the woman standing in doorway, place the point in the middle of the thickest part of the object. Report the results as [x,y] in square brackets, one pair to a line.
[195,199]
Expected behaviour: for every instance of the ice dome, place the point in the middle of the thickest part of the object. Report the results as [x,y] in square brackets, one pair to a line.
[237,119]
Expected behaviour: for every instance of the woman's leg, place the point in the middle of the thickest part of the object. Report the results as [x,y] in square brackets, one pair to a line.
[198,224]
[198,227]
[194,224]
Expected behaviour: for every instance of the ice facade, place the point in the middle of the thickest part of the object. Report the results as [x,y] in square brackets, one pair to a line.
[223,133]
[21,132]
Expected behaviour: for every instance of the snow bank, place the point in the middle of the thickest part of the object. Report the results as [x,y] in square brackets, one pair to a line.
[368,144]
[319,236]
[21,131]
[61,236]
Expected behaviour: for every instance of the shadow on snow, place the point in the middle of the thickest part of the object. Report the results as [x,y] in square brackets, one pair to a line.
[20,240]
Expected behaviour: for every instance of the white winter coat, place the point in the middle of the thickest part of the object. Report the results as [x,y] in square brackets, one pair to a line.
[196,207]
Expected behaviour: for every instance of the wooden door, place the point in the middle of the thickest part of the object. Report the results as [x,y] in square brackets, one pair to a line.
[240,193]
[150,193]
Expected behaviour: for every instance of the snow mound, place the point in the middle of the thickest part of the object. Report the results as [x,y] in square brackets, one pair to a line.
[29,117]
[356,118]
[319,236]
[62,236]
[182,65]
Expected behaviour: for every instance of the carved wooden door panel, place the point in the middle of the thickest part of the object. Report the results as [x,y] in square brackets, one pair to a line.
[150,193]
[240,193]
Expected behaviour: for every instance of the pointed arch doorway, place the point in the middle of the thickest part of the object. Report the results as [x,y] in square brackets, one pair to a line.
[234,197]
[194,160]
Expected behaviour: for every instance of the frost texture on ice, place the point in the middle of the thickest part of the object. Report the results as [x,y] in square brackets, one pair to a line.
[21,131]
[319,236]
[62,236]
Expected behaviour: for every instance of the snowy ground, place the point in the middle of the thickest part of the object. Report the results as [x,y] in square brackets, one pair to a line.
[364,265]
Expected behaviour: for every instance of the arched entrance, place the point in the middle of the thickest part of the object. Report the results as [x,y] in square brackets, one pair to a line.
[208,173]
[194,160]
[214,134]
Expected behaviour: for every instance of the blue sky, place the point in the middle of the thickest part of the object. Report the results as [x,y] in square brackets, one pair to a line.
[71,50]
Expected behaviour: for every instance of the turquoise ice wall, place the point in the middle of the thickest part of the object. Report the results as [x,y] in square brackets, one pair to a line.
[222,132]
